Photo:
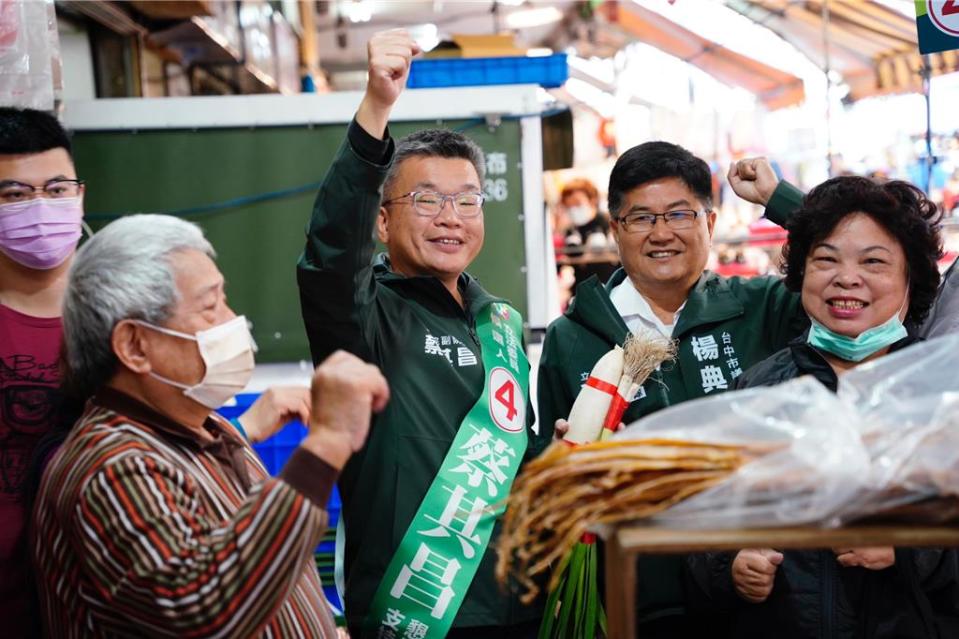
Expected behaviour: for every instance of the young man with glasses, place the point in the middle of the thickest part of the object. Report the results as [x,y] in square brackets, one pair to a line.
[661,208]
[417,555]
[41,207]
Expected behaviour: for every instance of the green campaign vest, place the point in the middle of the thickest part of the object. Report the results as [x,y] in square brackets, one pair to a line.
[428,576]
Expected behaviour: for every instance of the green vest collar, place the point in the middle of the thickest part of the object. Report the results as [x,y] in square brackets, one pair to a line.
[710,301]
[592,308]
[475,296]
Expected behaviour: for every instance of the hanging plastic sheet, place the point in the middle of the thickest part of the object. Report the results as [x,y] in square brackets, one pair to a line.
[889,439]
[29,54]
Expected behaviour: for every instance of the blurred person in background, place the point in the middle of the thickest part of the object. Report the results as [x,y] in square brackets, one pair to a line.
[588,230]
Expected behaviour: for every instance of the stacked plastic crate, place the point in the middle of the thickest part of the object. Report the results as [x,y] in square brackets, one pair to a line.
[548,71]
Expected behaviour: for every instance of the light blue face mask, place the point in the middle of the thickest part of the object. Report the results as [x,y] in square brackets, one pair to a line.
[856,349]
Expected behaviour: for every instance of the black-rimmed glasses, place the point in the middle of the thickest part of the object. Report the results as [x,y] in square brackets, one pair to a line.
[644,222]
[12,191]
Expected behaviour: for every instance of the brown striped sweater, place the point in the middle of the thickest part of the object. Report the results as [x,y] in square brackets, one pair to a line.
[143,530]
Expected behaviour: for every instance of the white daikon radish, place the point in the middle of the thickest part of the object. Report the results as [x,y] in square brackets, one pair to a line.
[592,403]
[642,354]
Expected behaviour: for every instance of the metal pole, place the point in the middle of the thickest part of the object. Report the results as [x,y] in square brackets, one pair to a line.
[926,87]
[827,68]
[495,12]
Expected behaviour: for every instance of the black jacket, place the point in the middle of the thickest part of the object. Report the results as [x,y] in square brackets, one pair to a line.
[799,358]
[813,596]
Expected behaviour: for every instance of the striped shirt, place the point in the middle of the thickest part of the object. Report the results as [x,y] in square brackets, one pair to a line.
[142,529]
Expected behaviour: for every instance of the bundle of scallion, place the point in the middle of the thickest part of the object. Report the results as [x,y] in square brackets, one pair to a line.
[573,607]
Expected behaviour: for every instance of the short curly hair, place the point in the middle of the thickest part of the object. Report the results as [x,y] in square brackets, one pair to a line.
[899,207]
[580,184]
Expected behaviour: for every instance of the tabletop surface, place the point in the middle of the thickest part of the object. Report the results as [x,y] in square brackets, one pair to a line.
[652,540]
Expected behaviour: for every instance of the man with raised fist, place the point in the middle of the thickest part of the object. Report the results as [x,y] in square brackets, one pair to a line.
[420,501]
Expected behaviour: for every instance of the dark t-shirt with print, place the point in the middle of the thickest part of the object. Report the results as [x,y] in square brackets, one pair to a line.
[29,378]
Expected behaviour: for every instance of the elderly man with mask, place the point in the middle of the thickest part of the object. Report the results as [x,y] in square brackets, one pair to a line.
[41,212]
[660,202]
[156,518]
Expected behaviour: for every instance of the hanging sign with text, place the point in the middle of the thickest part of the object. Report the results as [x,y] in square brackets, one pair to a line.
[937,23]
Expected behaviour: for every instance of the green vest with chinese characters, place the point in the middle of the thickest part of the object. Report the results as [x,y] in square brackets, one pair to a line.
[429,575]
[726,326]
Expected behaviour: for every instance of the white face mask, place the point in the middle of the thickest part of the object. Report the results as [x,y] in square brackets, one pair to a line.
[227,351]
[580,215]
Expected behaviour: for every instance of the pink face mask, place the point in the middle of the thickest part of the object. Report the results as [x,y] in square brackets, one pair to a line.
[40,233]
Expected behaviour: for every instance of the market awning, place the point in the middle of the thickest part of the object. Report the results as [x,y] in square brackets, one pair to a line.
[871,45]
[774,88]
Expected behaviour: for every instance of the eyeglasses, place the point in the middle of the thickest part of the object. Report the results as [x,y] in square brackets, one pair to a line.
[11,191]
[430,203]
[644,222]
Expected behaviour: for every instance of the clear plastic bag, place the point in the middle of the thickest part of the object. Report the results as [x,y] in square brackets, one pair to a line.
[13,54]
[30,74]
[889,437]
[909,408]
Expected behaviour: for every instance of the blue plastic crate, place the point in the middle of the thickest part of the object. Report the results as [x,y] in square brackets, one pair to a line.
[548,71]
[239,406]
[277,449]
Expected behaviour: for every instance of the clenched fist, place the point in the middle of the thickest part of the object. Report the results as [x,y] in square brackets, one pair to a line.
[753,180]
[389,56]
[275,408]
[754,570]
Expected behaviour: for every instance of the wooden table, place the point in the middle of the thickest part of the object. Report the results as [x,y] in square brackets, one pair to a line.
[625,542]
